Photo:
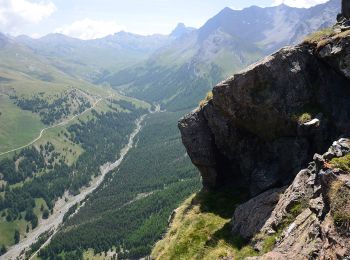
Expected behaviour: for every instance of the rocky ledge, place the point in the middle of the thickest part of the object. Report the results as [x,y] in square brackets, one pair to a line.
[263,125]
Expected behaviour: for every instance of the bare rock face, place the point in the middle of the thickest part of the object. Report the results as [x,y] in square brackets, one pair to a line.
[312,218]
[346,9]
[251,216]
[250,134]
[197,134]
[337,55]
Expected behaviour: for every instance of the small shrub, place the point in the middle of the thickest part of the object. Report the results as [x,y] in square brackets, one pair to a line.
[296,209]
[46,214]
[342,163]
[209,96]
[202,103]
[304,118]
[205,101]
[339,198]
[3,250]
[269,243]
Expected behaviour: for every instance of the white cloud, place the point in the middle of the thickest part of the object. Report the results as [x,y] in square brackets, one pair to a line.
[90,29]
[300,3]
[15,13]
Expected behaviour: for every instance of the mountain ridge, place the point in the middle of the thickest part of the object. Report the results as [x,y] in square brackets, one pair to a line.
[178,73]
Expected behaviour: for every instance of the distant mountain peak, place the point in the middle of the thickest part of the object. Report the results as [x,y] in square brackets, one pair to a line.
[5,39]
[226,9]
[181,30]
[58,37]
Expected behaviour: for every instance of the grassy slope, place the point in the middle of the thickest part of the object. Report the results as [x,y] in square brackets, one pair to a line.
[17,126]
[8,228]
[200,230]
[24,74]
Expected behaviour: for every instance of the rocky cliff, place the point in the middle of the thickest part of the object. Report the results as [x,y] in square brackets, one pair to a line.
[312,217]
[259,128]
[345,9]
[264,124]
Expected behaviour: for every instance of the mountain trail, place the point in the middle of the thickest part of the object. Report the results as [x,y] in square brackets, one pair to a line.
[54,126]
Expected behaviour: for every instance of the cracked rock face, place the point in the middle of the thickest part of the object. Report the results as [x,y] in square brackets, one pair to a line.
[249,135]
[251,216]
[337,55]
[315,231]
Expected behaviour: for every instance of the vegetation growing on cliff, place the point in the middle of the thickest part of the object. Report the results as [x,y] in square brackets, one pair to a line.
[339,195]
[318,36]
[201,230]
[205,101]
[304,118]
[269,241]
[342,163]
[323,37]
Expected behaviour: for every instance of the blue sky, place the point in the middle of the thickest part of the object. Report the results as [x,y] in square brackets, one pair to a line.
[88,19]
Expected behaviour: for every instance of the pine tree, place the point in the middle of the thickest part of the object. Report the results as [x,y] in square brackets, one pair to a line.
[3,250]
[17,237]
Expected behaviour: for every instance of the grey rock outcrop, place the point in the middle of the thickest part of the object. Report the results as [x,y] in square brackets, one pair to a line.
[313,229]
[337,54]
[249,135]
[251,216]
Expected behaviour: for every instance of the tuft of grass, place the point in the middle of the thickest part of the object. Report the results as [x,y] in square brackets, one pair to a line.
[270,241]
[339,198]
[297,208]
[323,37]
[319,36]
[304,118]
[342,163]
[205,101]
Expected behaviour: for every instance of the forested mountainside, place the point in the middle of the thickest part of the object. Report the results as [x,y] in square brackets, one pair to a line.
[55,133]
[256,140]
[128,213]
[177,74]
